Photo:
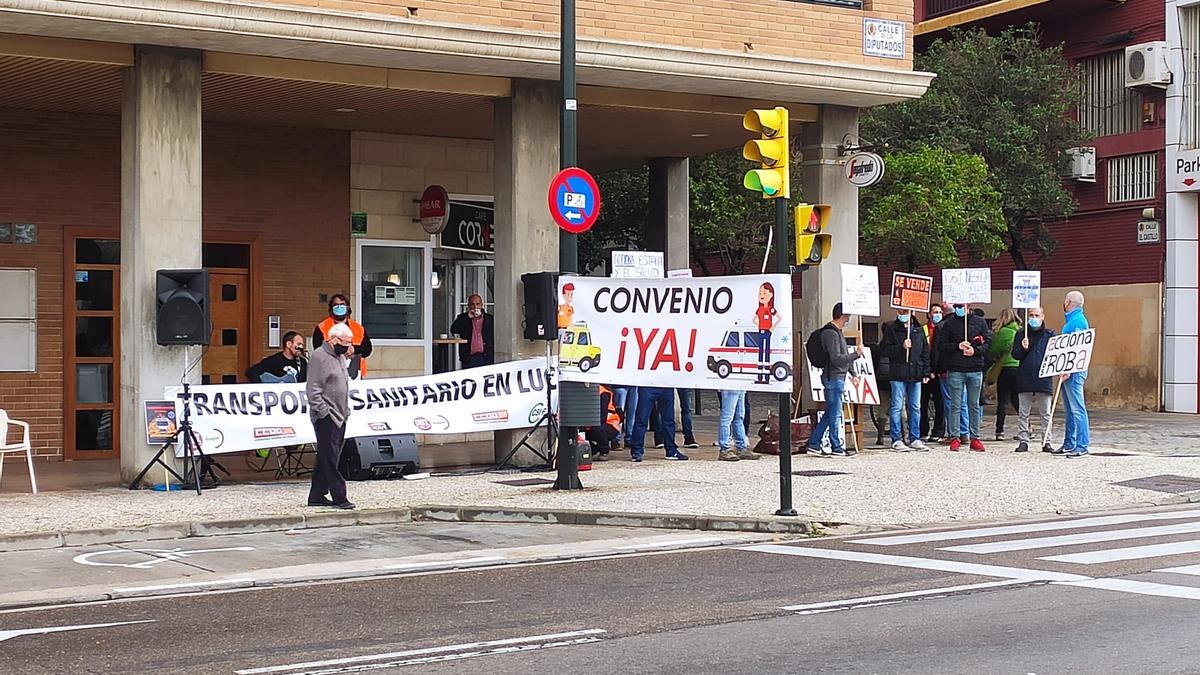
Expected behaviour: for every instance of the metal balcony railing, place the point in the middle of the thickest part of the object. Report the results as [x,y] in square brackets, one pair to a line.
[936,8]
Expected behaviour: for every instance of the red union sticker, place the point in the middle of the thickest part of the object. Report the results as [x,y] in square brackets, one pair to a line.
[265,433]
[493,416]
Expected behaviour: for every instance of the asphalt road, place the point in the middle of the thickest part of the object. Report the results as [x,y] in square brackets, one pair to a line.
[1105,603]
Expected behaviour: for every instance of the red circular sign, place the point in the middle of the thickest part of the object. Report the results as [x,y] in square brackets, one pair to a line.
[435,209]
[574,200]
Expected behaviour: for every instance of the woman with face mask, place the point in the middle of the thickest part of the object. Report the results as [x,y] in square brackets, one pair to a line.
[360,347]
[1004,369]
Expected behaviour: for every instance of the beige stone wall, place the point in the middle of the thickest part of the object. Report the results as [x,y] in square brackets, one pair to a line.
[1125,367]
[777,27]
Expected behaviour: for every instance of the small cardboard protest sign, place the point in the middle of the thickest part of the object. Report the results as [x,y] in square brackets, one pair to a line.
[865,392]
[967,286]
[911,291]
[860,289]
[1069,353]
[1027,289]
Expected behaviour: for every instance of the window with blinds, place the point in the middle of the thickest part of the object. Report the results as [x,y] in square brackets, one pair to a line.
[1106,107]
[1132,178]
[1189,122]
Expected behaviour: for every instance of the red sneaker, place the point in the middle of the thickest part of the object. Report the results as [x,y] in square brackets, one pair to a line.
[955,445]
[976,445]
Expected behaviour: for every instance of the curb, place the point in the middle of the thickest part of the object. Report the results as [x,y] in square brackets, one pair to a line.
[33,541]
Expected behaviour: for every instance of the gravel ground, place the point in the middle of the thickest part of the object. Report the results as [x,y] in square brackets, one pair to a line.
[879,488]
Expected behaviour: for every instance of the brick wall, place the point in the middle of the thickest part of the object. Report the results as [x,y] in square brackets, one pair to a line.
[804,30]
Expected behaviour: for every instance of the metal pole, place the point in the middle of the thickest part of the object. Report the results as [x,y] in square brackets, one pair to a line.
[783,266]
[568,257]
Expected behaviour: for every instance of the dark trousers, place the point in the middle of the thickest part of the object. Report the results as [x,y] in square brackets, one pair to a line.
[476,360]
[601,438]
[1006,394]
[647,398]
[931,393]
[325,479]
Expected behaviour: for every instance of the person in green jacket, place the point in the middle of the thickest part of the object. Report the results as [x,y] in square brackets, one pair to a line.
[1004,367]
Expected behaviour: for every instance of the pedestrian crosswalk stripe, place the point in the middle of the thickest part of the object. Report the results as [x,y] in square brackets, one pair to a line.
[1193,570]
[891,597]
[1130,553]
[1138,587]
[918,563]
[1078,523]
[1076,539]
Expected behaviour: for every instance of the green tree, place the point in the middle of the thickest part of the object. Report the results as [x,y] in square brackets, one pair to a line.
[624,216]
[931,205]
[726,219]
[1006,99]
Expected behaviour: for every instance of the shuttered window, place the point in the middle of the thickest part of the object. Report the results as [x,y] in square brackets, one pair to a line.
[1106,107]
[1189,123]
[1132,178]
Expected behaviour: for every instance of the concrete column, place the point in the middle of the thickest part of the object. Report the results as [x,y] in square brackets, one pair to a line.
[526,239]
[670,194]
[160,226]
[823,182]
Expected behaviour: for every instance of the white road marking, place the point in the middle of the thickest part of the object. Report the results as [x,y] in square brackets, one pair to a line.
[437,563]
[1193,570]
[899,540]
[918,563]
[448,657]
[428,651]
[886,599]
[1139,587]
[1130,553]
[193,584]
[10,634]
[1076,539]
[157,555]
[672,542]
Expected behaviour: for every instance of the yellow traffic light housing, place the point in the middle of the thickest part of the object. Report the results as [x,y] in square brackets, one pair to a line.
[813,242]
[772,151]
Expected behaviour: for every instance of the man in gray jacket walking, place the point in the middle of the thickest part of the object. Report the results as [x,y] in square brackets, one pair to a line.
[835,359]
[328,389]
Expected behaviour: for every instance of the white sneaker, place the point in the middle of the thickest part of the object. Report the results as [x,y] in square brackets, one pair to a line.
[918,446]
[899,446]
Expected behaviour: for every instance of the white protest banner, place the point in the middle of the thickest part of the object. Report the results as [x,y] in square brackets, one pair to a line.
[860,290]
[911,291]
[637,265]
[707,332]
[967,286]
[236,417]
[1069,353]
[865,392]
[1027,289]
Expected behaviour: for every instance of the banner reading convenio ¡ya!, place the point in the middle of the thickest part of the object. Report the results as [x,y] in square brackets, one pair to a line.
[236,417]
[708,333]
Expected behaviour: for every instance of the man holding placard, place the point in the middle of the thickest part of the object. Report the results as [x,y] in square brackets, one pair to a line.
[1075,444]
[1032,389]
[962,343]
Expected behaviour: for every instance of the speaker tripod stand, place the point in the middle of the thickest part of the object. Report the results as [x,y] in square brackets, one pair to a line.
[548,420]
[191,449]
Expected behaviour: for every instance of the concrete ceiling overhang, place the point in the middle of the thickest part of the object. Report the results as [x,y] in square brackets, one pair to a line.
[348,38]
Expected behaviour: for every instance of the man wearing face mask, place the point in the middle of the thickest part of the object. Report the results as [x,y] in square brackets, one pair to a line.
[963,340]
[932,393]
[477,328]
[1075,444]
[908,358]
[328,390]
[1031,389]
[360,342]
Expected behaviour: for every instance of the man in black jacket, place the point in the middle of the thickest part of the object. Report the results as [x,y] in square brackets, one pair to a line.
[287,365]
[963,340]
[478,330]
[907,353]
[1032,389]
[838,359]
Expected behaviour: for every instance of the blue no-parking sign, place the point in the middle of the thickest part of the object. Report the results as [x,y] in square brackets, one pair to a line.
[574,200]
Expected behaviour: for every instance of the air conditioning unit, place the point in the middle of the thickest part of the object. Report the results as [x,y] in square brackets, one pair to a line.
[1083,164]
[1146,65]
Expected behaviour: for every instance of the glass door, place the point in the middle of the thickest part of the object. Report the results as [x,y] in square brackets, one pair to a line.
[474,277]
[93,346]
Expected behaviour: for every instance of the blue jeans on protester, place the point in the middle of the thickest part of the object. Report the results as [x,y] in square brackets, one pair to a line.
[905,393]
[647,398]
[831,421]
[964,391]
[685,414]
[733,413]
[1077,433]
[631,408]
[963,422]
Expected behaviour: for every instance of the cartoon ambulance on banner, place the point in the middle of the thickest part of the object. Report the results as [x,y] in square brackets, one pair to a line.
[576,348]
[738,354]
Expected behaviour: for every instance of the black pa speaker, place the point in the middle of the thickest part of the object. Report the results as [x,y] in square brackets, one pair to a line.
[376,457]
[541,305]
[181,307]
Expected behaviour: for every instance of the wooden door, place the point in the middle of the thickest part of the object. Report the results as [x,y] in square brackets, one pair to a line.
[228,354]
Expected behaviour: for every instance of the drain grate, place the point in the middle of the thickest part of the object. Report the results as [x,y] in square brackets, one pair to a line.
[814,473]
[1111,454]
[522,482]
[1164,483]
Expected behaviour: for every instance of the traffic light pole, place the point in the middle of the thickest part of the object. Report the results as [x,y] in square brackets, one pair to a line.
[782,266]
[568,257]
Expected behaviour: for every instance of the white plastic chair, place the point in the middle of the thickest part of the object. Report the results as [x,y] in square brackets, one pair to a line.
[23,446]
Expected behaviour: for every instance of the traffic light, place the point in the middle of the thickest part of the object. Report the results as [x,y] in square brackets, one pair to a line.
[771,151]
[812,241]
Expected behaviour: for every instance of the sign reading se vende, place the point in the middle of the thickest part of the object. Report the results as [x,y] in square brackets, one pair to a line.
[911,291]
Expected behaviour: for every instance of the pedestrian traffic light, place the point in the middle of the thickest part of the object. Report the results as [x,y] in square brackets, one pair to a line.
[813,243]
[771,151]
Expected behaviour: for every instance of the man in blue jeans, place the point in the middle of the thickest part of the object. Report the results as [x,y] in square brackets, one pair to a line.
[904,347]
[838,358]
[963,340]
[731,427]
[1075,444]
[647,397]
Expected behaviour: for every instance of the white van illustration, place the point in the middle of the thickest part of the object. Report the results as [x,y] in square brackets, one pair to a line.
[738,354]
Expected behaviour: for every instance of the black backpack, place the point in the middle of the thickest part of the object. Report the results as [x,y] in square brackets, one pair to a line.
[817,357]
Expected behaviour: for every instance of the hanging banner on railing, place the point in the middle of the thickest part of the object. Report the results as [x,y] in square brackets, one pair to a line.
[236,417]
[705,333]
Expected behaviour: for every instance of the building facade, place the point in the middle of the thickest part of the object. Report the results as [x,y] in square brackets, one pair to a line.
[283,146]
